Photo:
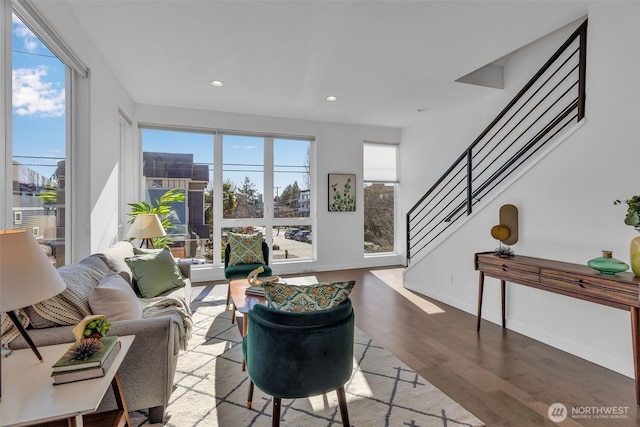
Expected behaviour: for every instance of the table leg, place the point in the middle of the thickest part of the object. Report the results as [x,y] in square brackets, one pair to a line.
[502,296]
[233,312]
[635,337]
[480,292]
[116,385]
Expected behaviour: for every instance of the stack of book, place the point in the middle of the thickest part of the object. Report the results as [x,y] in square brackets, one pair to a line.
[255,290]
[66,370]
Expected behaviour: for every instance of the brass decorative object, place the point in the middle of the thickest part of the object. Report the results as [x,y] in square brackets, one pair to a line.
[507,230]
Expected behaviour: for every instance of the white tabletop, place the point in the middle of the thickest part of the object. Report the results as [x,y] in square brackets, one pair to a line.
[28,393]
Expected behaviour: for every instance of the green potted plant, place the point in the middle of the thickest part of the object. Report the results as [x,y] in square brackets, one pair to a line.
[162,208]
[633,211]
[633,219]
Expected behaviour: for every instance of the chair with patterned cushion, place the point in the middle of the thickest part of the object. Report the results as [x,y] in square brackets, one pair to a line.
[237,267]
[291,355]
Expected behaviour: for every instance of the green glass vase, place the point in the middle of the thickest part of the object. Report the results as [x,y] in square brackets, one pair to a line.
[606,264]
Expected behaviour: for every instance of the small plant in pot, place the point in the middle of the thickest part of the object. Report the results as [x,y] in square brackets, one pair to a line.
[504,251]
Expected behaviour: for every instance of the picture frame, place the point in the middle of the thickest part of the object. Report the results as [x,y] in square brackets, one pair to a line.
[342,192]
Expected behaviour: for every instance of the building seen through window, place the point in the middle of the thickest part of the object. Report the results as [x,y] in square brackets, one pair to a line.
[237,203]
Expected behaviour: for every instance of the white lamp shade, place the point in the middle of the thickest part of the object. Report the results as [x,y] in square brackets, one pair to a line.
[146,226]
[27,276]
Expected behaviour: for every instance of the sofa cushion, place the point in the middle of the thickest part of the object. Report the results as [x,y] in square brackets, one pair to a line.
[71,305]
[245,248]
[115,257]
[155,273]
[97,262]
[114,298]
[298,298]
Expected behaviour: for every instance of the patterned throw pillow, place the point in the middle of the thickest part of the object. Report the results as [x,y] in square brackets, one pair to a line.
[245,248]
[297,298]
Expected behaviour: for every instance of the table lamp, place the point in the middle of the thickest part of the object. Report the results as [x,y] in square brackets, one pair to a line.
[27,277]
[146,226]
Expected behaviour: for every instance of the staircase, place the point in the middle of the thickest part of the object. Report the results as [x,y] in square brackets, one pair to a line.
[544,111]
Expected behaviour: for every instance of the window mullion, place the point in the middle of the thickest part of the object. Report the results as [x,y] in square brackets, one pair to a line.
[6,216]
[218,201]
[268,190]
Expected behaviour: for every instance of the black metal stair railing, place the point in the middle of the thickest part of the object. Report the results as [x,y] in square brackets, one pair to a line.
[543,111]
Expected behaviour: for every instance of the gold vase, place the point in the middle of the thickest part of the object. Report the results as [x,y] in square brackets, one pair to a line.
[635,255]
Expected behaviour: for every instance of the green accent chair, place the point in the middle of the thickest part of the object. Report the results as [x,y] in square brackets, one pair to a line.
[241,271]
[295,355]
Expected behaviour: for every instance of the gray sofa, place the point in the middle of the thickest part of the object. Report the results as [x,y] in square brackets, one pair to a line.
[147,372]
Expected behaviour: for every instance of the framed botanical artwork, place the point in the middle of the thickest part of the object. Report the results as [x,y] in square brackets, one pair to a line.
[342,192]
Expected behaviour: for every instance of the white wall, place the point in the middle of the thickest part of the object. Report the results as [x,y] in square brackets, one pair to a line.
[338,149]
[96,154]
[565,201]
[338,236]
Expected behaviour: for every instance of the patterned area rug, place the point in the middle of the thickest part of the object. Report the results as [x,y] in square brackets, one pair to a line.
[211,389]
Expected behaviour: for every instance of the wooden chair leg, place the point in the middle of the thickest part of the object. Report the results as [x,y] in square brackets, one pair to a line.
[228,294]
[250,395]
[275,418]
[342,401]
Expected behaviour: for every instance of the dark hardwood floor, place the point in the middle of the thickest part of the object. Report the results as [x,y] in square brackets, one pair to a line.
[502,377]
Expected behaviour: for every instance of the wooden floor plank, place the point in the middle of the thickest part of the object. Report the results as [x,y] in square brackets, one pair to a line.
[502,377]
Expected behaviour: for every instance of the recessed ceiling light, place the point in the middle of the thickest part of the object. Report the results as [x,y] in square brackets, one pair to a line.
[332,98]
[217,83]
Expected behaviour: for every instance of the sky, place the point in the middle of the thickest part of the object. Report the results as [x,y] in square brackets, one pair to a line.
[38,95]
[38,82]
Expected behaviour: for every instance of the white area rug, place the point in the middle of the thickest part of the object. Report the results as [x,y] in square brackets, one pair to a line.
[211,389]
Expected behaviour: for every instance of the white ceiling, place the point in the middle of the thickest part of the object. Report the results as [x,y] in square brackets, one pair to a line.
[382,59]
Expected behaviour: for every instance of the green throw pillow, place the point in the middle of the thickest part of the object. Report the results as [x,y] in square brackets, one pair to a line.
[245,248]
[155,272]
[297,298]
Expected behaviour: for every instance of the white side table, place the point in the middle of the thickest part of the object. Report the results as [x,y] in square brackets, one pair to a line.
[29,396]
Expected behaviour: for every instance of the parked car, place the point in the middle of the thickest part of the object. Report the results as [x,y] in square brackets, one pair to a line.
[290,233]
[308,238]
[301,235]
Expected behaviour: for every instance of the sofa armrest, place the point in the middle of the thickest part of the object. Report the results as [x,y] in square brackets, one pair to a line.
[148,370]
[45,337]
[185,269]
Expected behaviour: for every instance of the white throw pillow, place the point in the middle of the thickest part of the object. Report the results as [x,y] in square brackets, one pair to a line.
[114,298]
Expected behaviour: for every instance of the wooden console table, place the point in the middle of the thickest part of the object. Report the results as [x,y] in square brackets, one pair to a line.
[621,290]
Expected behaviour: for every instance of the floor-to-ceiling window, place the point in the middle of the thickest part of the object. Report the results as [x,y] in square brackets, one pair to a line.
[39,141]
[380,178]
[233,182]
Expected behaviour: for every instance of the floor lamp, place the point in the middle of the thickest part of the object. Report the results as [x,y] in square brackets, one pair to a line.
[27,277]
[146,226]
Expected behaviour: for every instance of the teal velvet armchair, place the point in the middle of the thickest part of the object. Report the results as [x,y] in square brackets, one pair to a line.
[294,355]
[240,271]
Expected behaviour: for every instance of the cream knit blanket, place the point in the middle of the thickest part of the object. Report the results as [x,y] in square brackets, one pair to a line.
[175,308]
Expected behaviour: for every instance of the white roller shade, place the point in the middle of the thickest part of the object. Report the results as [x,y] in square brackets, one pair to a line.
[380,162]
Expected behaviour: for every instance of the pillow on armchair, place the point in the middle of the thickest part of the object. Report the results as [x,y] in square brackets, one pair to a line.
[245,248]
[298,298]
